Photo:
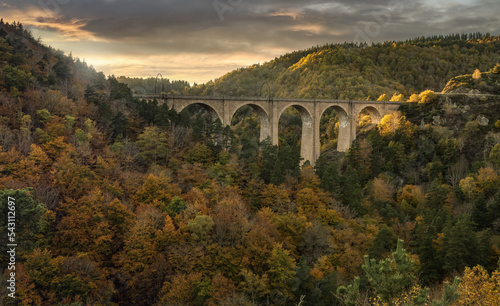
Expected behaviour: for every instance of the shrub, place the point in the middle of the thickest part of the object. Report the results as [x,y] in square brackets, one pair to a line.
[427,97]
[383,97]
[413,98]
[398,98]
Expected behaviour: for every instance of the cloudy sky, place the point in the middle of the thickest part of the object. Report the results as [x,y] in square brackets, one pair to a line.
[200,40]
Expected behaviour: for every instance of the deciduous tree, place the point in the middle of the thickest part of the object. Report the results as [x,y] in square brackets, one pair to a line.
[478,287]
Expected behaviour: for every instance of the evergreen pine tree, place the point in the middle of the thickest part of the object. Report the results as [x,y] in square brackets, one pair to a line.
[352,193]
[216,136]
[480,214]
[269,156]
[249,148]
[303,284]
[161,118]
[384,242]
[119,125]
[198,128]
[460,246]
[330,181]
[350,293]
[390,277]
[430,264]
[278,176]
[494,208]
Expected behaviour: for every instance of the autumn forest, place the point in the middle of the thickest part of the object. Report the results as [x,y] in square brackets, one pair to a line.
[123,201]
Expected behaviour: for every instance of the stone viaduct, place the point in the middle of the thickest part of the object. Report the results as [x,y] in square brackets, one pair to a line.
[270,111]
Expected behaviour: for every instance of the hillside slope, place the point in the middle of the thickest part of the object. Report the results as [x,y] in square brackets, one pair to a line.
[476,83]
[359,71]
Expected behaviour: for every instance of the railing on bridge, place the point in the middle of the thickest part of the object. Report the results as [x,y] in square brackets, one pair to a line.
[229,98]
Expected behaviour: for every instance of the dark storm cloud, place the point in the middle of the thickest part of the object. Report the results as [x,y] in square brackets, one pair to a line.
[166,20]
[262,28]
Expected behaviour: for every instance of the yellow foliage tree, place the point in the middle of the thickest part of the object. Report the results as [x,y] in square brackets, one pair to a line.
[275,198]
[180,289]
[390,123]
[146,234]
[351,244]
[413,98]
[156,189]
[468,186]
[307,201]
[84,228]
[281,271]
[427,96]
[487,181]
[412,195]
[382,190]
[479,288]
[476,75]
[39,156]
[398,98]
[383,97]
[221,288]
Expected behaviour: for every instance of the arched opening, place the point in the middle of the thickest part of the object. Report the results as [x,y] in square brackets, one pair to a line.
[333,128]
[247,125]
[206,126]
[252,121]
[296,132]
[201,109]
[367,119]
[290,127]
[287,157]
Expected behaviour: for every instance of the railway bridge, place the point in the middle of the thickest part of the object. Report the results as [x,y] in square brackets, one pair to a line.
[270,110]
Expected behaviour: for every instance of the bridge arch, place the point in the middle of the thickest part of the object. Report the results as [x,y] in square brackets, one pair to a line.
[265,121]
[307,139]
[344,132]
[341,112]
[375,114]
[214,114]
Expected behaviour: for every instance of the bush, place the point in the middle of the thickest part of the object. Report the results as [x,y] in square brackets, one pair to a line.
[471,127]
[176,206]
[476,75]
[496,69]
[398,98]
[413,98]
[383,97]
[427,97]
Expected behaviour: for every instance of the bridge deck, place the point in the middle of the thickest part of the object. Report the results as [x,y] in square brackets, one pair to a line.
[230,98]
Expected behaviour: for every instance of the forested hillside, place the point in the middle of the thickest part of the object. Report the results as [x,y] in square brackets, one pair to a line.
[360,71]
[127,202]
